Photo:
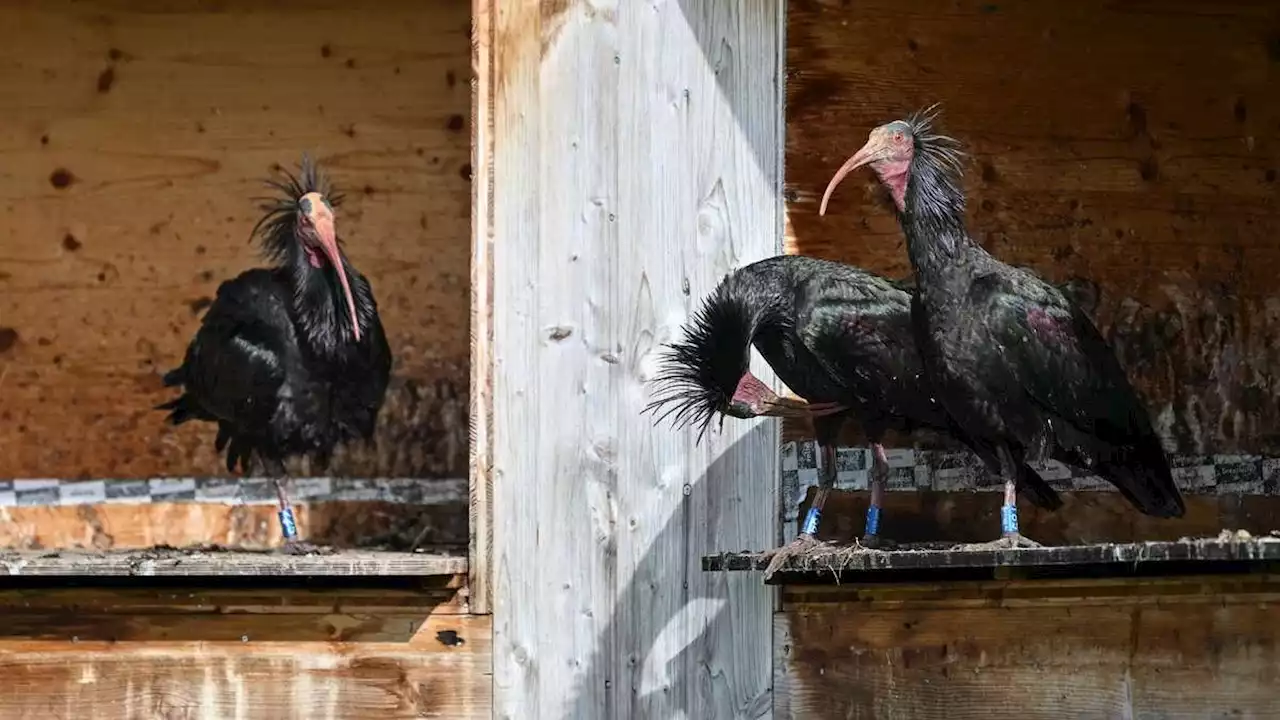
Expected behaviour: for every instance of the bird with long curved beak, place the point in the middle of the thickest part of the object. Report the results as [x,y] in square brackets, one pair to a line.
[316,231]
[290,360]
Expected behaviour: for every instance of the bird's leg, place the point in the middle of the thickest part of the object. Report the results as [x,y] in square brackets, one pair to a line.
[1011,539]
[288,522]
[808,537]
[879,477]
[1009,518]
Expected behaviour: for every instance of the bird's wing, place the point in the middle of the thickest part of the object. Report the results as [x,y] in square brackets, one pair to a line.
[1061,361]
[235,366]
[860,332]
[1058,357]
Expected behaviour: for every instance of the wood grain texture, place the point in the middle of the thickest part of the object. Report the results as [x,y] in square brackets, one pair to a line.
[839,564]
[69,601]
[132,139]
[636,160]
[481,470]
[1131,145]
[1195,649]
[199,562]
[241,655]
[345,524]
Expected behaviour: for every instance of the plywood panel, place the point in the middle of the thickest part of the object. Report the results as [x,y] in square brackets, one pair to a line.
[342,524]
[132,137]
[1131,145]
[1204,648]
[636,160]
[239,655]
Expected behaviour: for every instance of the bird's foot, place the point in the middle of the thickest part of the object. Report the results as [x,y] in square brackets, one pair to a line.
[1010,541]
[301,547]
[803,543]
[876,542]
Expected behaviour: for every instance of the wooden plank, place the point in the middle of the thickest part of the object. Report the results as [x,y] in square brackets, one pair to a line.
[1086,163]
[636,159]
[1022,592]
[212,562]
[70,600]
[262,611]
[164,117]
[1212,653]
[842,564]
[432,667]
[341,524]
[481,507]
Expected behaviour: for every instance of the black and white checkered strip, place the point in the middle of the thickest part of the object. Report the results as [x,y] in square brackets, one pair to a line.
[951,471]
[228,491]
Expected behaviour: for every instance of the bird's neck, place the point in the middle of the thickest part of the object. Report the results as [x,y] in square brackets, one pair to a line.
[320,306]
[931,213]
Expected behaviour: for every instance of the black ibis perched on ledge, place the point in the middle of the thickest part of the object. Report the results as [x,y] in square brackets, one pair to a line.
[1014,361]
[839,337]
[289,360]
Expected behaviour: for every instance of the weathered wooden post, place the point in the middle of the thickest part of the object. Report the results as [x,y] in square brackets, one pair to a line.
[628,156]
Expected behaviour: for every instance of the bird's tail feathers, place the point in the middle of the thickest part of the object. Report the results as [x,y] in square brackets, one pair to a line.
[1039,492]
[182,409]
[1140,471]
[239,452]
[700,373]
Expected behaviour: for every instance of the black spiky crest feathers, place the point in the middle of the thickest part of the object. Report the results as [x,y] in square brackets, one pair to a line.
[700,373]
[937,169]
[275,230]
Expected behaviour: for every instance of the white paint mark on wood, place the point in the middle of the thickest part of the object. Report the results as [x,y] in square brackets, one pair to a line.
[636,160]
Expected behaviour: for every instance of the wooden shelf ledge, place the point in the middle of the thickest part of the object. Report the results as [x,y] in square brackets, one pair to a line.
[216,562]
[828,564]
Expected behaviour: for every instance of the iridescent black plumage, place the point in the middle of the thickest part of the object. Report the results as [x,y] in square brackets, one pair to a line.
[1015,360]
[276,363]
[833,333]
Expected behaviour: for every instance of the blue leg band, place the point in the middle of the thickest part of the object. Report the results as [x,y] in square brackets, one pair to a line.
[287,524]
[810,526]
[873,520]
[1009,519]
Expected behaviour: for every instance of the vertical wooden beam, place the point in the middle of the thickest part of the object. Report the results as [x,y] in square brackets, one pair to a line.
[636,158]
[481,511]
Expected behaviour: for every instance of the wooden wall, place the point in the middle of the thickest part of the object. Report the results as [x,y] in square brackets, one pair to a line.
[242,653]
[1189,648]
[1133,146]
[636,159]
[132,137]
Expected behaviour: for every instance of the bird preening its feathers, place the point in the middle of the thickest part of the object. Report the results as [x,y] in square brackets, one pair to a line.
[289,360]
[988,353]
[838,336]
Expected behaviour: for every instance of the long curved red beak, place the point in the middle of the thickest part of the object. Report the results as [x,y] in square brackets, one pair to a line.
[867,154]
[329,244]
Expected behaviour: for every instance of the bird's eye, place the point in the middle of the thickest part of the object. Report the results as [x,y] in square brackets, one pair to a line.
[897,137]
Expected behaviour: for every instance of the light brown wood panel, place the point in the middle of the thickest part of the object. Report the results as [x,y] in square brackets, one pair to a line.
[480,507]
[1134,145]
[334,666]
[56,598]
[132,139]
[342,524]
[1211,648]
